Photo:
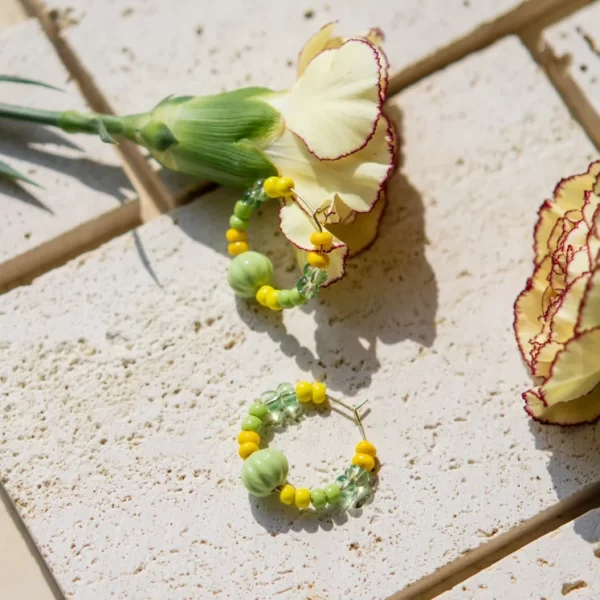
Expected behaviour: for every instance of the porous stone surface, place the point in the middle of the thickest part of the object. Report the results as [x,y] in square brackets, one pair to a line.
[564,563]
[80,177]
[126,373]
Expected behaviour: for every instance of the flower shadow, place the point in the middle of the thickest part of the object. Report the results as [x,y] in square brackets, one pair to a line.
[573,462]
[388,295]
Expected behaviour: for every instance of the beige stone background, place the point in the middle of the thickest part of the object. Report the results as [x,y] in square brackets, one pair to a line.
[516,82]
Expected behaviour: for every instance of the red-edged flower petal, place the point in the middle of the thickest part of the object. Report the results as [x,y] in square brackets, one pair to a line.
[577,412]
[576,370]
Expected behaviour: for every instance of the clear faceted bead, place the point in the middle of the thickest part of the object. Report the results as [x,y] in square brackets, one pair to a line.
[276,414]
[348,496]
[267,397]
[255,196]
[310,283]
[363,492]
[358,474]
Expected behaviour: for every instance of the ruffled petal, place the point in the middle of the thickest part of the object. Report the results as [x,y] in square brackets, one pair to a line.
[297,226]
[357,179]
[325,40]
[529,307]
[577,412]
[589,315]
[335,106]
[575,371]
[568,195]
[320,41]
[359,233]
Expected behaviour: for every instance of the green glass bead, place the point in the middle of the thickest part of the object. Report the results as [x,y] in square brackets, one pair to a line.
[258,409]
[284,299]
[242,210]
[348,497]
[236,223]
[333,493]
[275,408]
[358,474]
[251,423]
[296,298]
[263,471]
[348,491]
[318,497]
[291,408]
[310,283]
[255,196]
[267,397]
[363,492]
[285,389]
[248,272]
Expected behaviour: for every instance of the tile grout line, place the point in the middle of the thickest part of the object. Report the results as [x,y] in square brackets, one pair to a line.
[154,197]
[482,37]
[556,69]
[24,268]
[504,545]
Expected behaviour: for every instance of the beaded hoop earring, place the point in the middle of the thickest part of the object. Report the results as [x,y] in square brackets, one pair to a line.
[265,470]
[250,273]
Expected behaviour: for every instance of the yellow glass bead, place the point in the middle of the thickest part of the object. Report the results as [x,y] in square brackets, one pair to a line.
[321,239]
[236,248]
[284,186]
[304,391]
[319,261]
[236,235]
[270,187]
[247,448]
[261,295]
[287,494]
[272,300]
[248,436]
[319,393]
[366,447]
[302,498]
[364,460]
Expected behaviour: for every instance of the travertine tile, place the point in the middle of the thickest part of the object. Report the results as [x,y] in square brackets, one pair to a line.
[81,177]
[125,374]
[563,563]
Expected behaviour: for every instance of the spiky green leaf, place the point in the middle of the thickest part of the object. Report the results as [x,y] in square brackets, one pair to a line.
[16,79]
[6,171]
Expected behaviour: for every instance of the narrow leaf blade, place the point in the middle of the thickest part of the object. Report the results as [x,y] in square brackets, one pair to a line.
[16,79]
[8,172]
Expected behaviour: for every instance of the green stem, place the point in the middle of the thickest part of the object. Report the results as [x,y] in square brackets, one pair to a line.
[74,122]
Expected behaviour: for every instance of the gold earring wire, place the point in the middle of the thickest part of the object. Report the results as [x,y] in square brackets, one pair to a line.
[313,213]
[354,410]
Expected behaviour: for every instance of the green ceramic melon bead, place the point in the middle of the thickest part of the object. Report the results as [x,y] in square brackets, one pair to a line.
[252,423]
[258,409]
[248,272]
[264,471]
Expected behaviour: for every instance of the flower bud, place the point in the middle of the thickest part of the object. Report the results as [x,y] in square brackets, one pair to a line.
[218,137]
